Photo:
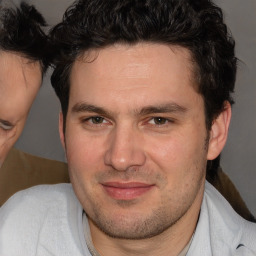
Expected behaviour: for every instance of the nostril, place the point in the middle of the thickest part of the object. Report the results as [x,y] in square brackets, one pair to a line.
[129,159]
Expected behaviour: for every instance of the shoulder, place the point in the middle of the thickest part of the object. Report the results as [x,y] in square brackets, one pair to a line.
[39,194]
[228,228]
[42,214]
[36,201]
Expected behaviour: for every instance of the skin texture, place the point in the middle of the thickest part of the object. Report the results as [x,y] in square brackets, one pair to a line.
[20,80]
[137,146]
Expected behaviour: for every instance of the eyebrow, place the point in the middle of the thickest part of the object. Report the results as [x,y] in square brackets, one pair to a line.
[163,108]
[84,107]
[147,110]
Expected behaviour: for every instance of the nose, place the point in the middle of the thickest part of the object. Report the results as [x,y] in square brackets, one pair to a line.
[125,149]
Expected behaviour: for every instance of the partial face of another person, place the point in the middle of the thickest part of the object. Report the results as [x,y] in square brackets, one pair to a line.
[20,80]
[136,140]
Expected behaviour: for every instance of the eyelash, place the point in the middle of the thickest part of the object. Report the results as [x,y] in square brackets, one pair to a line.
[102,119]
[166,121]
[90,120]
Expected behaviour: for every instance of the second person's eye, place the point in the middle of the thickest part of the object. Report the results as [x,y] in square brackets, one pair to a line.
[5,125]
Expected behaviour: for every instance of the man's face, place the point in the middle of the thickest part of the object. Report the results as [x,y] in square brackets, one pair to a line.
[19,83]
[136,140]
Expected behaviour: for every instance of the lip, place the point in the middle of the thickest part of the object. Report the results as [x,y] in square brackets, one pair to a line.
[126,191]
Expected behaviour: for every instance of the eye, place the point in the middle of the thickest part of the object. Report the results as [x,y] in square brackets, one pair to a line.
[5,125]
[159,121]
[97,120]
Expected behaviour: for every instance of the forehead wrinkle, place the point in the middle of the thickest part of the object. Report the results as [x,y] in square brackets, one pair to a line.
[134,70]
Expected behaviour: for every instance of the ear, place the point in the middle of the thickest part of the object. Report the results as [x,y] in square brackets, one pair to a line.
[61,132]
[219,132]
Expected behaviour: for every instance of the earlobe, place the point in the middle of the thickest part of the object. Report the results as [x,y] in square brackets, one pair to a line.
[219,132]
[61,132]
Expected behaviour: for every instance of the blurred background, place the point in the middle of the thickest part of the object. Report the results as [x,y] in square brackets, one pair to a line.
[41,137]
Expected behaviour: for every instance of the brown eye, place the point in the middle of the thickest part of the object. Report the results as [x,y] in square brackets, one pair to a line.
[160,120]
[97,120]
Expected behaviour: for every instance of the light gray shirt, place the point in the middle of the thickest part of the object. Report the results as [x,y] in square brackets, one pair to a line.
[48,220]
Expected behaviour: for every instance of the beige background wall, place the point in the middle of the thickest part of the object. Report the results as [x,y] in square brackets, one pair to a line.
[239,157]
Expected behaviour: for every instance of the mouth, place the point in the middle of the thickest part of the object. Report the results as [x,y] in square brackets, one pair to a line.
[126,191]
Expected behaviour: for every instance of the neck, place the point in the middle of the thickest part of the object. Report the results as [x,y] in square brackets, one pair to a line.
[170,242]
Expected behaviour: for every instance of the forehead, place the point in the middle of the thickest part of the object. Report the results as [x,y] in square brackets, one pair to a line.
[20,79]
[14,66]
[127,71]
[137,53]
[17,61]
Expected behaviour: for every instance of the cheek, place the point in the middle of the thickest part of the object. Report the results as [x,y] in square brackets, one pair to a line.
[7,140]
[167,150]
[84,153]
[177,154]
